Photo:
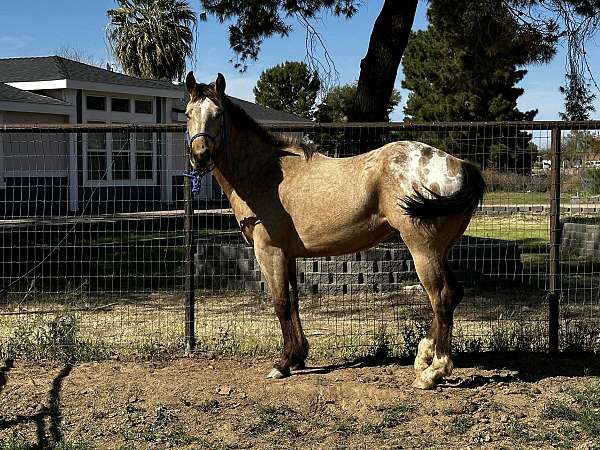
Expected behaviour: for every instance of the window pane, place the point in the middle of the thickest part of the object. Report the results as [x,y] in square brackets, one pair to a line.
[143,106]
[120,104]
[121,141]
[96,165]
[121,166]
[143,166]
[143,142]
[97,103]
[96,141]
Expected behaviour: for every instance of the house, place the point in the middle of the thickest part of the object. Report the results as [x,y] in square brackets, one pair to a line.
[70,172]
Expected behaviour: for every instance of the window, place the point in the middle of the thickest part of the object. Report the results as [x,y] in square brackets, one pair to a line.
[120,104]
[144,146]
[143,106]
[121,155]
[95,103]
[96,156]
[96,165]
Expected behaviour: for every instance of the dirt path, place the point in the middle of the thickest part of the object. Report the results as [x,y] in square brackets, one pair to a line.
[196,403]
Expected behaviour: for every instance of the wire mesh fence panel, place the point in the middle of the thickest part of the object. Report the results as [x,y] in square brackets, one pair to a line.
[580,237]
[92,241]
[95,256]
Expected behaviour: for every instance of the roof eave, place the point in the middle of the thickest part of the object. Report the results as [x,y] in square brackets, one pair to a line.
[97,87]
[10,106]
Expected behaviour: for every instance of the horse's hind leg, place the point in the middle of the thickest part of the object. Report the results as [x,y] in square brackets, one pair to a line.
[429,247]
[274,266]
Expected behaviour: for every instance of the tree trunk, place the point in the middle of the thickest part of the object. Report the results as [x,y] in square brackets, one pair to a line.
[379,67]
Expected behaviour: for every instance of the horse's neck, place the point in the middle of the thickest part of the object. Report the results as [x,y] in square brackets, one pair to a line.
[244,163]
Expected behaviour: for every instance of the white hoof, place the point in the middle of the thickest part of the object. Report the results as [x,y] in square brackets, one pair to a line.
[419,383]
[275,374]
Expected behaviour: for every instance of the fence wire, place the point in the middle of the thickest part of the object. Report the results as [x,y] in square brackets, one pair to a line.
[94,248]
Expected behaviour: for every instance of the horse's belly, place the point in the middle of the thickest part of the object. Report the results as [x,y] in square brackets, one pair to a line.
[331,239]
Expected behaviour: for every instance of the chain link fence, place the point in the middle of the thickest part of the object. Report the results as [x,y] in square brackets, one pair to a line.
[105,252]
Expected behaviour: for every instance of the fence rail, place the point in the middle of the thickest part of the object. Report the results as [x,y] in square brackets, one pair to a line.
[104,249]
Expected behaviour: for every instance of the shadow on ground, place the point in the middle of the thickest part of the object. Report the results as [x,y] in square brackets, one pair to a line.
[51,411]
[510,366]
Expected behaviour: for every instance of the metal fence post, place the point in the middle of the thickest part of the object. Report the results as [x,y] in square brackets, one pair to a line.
[555,236]
[190,338]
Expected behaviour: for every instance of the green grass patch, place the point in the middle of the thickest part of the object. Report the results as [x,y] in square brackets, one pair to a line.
[585,413]
[520,198]
[587,395]
[395,414]
[459,424]
[270,419]
[346,426]
[529,230]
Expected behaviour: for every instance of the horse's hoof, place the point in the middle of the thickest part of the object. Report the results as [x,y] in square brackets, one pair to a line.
[276,374]
[421,384]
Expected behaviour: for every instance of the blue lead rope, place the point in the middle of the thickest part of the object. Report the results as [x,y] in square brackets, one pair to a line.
[196,178]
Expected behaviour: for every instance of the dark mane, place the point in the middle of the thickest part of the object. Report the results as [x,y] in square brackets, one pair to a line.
[247,123]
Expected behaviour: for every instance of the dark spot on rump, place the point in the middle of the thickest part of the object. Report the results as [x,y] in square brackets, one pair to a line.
[400,159]
[426,155]
[453,165]
[435,188]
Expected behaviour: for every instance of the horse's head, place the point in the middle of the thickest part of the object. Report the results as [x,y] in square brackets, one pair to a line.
[205,121]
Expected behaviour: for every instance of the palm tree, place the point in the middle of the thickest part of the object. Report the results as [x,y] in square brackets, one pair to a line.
[152,38]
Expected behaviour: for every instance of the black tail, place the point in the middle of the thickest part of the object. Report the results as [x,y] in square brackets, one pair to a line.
[464,201]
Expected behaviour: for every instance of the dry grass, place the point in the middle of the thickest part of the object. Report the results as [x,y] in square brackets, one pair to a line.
[336,325]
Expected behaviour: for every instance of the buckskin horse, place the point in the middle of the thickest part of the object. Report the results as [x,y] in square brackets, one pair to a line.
[293,202]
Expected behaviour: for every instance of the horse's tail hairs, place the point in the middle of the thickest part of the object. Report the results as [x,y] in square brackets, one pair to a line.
[465,201]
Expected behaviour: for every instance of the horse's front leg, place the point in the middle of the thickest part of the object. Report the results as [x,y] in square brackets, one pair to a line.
[295,307]
[274,266]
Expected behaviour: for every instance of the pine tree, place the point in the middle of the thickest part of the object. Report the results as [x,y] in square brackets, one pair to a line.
[578,99]
[470,73]
[289,87]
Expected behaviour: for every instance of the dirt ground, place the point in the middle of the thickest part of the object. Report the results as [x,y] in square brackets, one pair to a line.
[491,401]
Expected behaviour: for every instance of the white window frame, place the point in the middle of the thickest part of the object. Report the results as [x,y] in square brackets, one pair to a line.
[110,150]
[117,117]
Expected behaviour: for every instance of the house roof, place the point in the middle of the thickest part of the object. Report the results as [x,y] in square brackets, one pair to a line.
[12,94]
[49,68]
[257,112]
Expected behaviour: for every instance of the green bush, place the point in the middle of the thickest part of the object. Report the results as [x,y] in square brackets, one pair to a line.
[514,182]
[55,338]
[592,181]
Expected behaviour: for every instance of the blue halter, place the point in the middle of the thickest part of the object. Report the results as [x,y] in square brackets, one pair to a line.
[194,175]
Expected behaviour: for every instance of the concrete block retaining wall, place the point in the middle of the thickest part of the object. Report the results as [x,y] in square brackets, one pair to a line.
[580,241]
[231,265]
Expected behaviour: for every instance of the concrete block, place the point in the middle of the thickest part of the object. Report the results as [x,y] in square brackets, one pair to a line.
[361,266]
[333,266]
[389,266]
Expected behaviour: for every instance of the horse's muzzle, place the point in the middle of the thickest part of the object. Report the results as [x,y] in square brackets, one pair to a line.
[201,162]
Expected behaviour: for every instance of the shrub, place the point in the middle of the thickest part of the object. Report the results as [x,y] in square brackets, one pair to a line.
[592,181]
[514,182]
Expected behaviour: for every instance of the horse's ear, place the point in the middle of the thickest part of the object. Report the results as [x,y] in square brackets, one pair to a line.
[190,83]
[220,84]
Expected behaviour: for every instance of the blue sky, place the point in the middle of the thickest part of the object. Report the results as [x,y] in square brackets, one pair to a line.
[42,27]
